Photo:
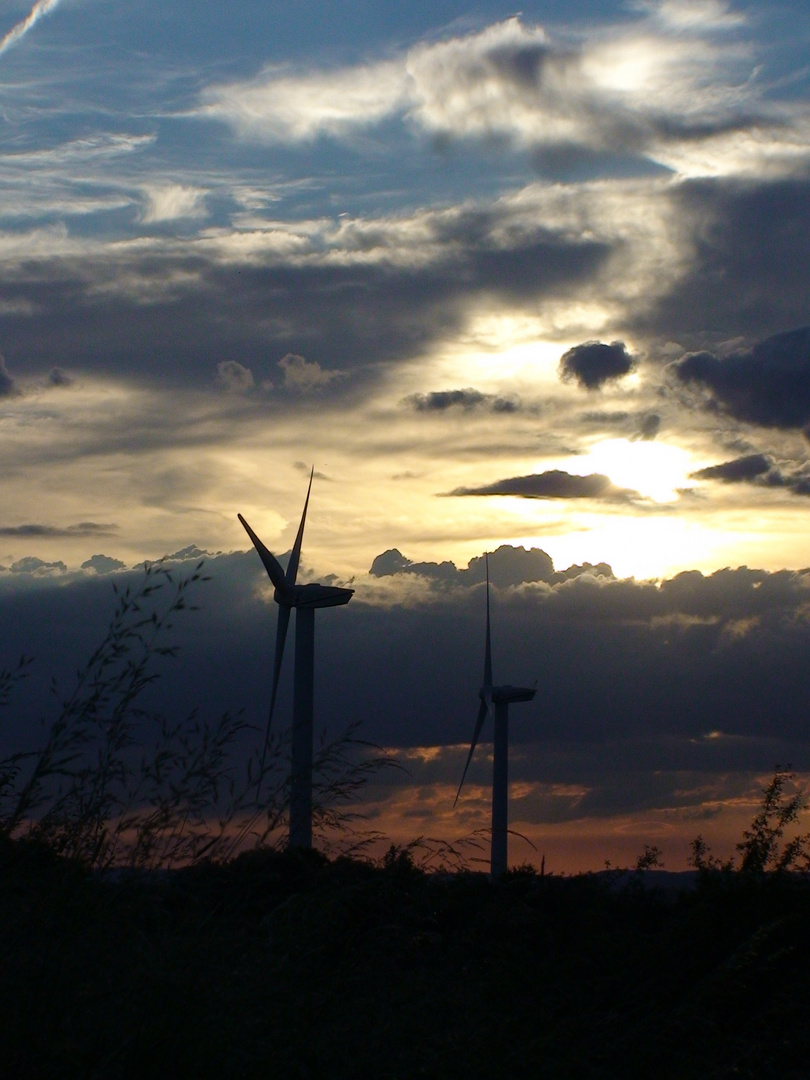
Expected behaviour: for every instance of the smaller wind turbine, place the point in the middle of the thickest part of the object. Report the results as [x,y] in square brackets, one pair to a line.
[305,599]
[498,699]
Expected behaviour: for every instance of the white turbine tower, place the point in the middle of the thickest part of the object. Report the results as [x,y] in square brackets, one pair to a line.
[498,699]
[305,599]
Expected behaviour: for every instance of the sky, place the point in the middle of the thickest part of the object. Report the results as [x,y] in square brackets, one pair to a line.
[532,283]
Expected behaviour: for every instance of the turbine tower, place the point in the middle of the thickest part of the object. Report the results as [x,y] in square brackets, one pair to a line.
[305,599]
[497,698]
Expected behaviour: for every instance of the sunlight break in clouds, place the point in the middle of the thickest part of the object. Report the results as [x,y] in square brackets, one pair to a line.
[42,7]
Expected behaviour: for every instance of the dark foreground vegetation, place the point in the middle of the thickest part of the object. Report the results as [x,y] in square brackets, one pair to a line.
[285,964]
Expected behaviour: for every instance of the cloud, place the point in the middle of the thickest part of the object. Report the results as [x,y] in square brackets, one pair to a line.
[798,483]
[768,385]
[608,418]
[593,363]
[554,484]
[287,107]
[686,15]
[193,301]
[8,386]
[58,377]
[732,472]
[650,696]
[508,566]
[83,528]
[648,427]
[617,659]
[103,564]
[233,377]
[468,399]
[640,87]
[756,469]
[190,551]
[167,202]
[40,8]
[303,375]
[752,236]
[37,567]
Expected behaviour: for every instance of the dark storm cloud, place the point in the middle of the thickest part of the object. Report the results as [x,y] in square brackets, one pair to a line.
[748,271]
[554,484]
[798,483]
[593,363]
[732,472]
[441,400]
[768,384]
[167,314]
[632,676]
[759,470]
[83,528]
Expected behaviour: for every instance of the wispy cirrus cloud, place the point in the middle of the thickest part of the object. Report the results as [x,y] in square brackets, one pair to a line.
[83,528]
[688,15]
[20,29]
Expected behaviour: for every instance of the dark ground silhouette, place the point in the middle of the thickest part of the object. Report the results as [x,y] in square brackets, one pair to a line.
[289,965]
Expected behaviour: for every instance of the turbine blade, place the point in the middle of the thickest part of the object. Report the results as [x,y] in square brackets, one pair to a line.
[483,709]
[271,563]
[488,649]
[281,637]
[295,554]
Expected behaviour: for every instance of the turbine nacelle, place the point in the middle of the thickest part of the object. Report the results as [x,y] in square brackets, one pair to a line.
[505,695]
[312,596]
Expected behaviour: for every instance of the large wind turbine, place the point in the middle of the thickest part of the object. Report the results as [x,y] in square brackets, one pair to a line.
[305,599]
[498,699]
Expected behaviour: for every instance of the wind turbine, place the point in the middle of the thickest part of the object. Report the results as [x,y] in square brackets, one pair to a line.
[305,599]
[498,699]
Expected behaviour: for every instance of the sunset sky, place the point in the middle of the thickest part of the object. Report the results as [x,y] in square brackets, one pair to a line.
[533,280]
